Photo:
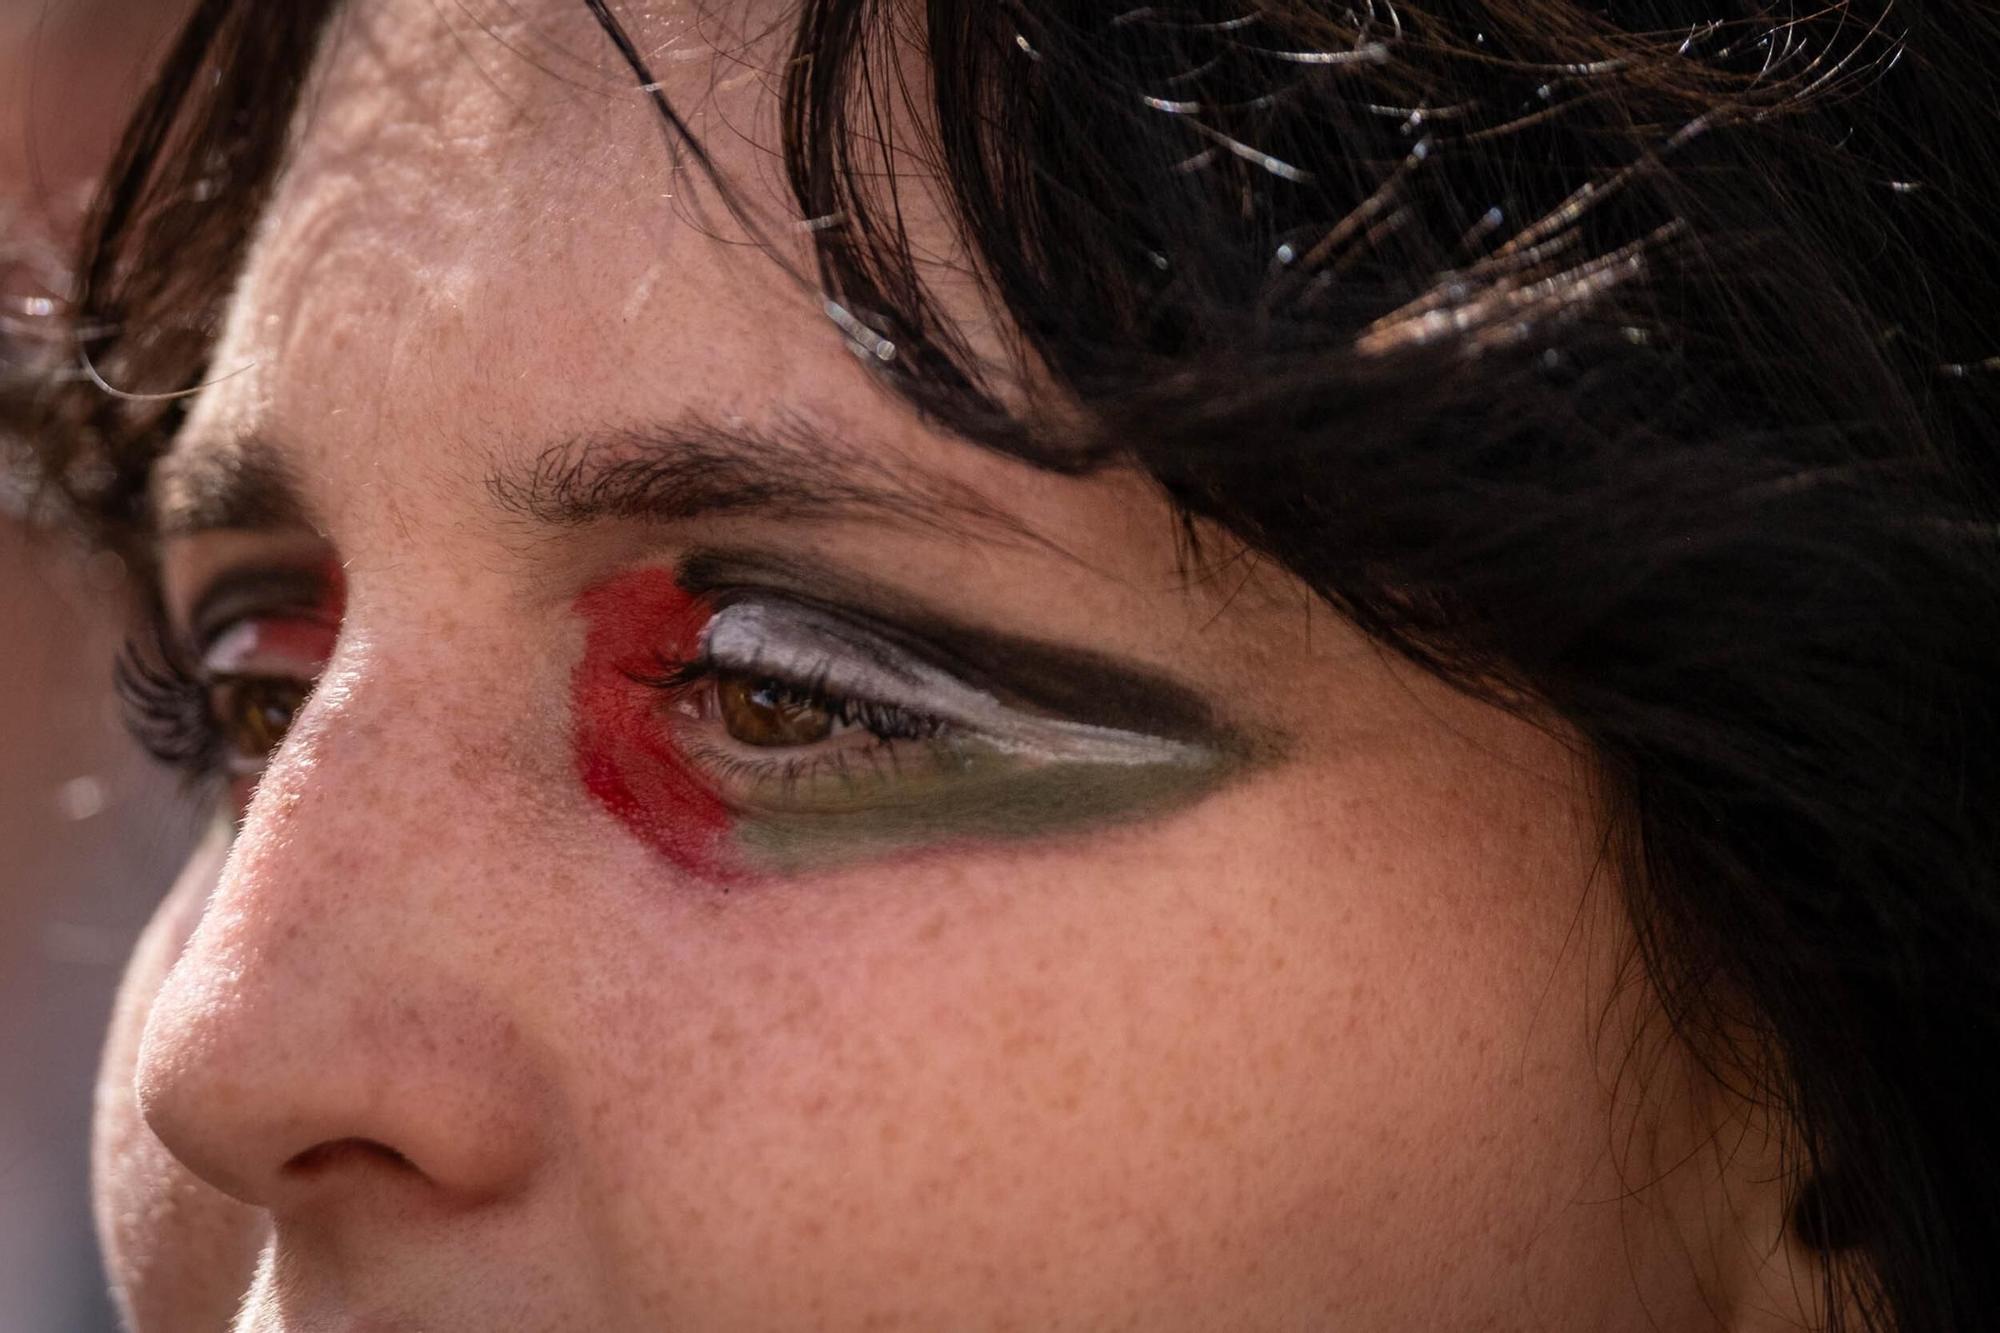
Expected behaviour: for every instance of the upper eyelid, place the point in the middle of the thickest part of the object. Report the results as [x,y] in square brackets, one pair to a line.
[823,628]
[235,594]
[1056,679]
[834,640]
[203,581]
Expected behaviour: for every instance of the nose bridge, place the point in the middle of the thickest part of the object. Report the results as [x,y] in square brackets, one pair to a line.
[346,1008]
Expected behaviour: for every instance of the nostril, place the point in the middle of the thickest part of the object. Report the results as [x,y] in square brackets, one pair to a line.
[322,1157]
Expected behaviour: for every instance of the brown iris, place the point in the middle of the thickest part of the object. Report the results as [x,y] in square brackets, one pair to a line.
[770,712]
[254,712]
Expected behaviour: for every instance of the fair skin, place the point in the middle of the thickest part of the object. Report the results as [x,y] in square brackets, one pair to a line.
[1331,1031]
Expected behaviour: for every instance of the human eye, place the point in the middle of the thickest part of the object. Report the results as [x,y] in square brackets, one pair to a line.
[216,700]
[747,730]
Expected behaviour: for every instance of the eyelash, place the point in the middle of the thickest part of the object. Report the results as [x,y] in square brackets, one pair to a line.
[167,708]
[886,722]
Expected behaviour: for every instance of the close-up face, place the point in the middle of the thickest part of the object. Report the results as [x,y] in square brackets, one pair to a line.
[696,846]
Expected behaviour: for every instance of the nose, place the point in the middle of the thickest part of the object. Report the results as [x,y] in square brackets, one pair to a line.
[341,1027]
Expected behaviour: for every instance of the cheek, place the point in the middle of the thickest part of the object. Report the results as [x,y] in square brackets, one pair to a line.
[1194,1071]
[179,1254]
[1058,1101]
[623,752]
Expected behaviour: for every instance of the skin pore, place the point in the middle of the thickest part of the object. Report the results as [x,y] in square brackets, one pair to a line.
[1138,947]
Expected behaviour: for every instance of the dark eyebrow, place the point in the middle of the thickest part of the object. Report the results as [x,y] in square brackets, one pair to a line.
[243,484]
[699,467]
[661,473]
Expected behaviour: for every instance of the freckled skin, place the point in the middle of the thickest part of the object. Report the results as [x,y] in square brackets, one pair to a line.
[446,1043]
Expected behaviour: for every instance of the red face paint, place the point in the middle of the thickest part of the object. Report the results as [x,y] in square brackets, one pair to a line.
[624,752]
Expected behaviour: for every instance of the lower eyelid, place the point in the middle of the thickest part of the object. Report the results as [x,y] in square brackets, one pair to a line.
[857,751]
[719,748]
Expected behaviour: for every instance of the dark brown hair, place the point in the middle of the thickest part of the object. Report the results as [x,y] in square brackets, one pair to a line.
[1628,363]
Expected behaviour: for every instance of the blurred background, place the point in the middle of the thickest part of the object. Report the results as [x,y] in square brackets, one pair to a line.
[90,832]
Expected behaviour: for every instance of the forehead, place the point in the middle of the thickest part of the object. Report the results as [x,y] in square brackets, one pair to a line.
[483,230]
